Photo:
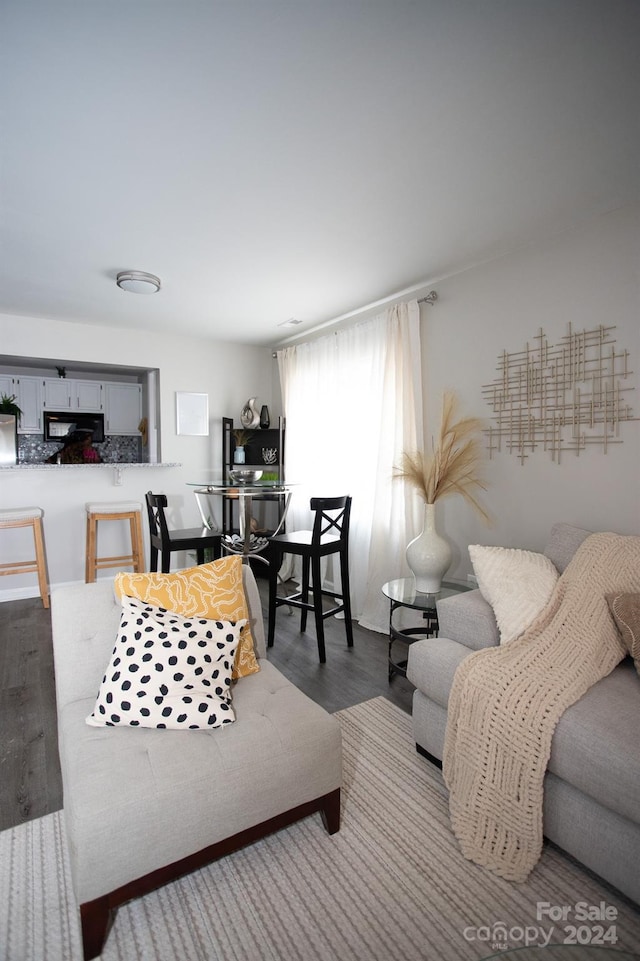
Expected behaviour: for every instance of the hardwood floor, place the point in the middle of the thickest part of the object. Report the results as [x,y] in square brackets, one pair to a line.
[30,783]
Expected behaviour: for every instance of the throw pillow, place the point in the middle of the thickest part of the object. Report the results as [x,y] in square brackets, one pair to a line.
[626,612]
[213,591]
[518,585]
[167,671]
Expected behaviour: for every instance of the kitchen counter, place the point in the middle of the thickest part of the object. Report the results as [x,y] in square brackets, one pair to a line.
[57,467]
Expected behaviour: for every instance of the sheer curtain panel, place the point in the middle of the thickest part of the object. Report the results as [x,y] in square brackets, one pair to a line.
[353,402]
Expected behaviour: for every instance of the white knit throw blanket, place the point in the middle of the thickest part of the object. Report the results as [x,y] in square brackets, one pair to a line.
[506,701]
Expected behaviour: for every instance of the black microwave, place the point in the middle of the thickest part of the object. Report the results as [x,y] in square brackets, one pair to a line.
[59,424]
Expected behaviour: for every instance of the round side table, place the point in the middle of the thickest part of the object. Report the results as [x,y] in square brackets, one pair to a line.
[402,593]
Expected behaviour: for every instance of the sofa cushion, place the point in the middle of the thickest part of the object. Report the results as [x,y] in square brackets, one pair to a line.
[564,541]
[167,671]
[626,612]
[596,743]
[213,591]
[431,664]
[517,584]
[469,619]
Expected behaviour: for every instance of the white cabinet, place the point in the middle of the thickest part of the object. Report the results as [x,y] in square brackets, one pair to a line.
[56,393]
[123,408]
[29,393]
[88,395]
[6,385]
[62,394]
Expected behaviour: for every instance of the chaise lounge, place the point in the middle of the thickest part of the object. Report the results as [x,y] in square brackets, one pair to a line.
[144,806]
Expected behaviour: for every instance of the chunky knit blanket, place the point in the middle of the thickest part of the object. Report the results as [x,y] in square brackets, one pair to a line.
[506,701]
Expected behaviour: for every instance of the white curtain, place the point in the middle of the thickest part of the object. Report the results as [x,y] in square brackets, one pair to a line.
[353,402]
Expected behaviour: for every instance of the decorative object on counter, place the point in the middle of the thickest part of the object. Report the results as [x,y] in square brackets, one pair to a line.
[143,427]
[62,372]
[77,449]
[265,420]
[269,455]
[452,468]
[8,405]
[249,416]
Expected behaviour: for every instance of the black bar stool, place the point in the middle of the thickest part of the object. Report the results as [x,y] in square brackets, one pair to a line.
[330,535]
[166,541]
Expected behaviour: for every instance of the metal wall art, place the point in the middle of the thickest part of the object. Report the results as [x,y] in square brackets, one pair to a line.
[559,398]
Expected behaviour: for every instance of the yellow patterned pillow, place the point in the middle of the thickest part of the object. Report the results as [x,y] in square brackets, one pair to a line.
[213,591]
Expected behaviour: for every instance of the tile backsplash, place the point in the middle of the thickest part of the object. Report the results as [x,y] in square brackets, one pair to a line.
[117,449]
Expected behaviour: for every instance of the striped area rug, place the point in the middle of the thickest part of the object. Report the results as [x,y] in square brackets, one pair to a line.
[390,885]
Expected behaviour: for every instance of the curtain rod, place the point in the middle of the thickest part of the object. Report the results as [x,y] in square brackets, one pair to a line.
[429,298]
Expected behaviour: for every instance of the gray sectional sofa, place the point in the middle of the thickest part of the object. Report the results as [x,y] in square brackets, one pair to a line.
[143,806]
[592,786]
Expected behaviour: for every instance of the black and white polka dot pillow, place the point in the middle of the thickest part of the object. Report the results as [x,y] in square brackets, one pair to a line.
[168,671]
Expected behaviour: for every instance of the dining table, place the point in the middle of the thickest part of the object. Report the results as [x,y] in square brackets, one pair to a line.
[245,543]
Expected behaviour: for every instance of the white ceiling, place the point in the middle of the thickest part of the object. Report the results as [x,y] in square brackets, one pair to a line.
[271,159]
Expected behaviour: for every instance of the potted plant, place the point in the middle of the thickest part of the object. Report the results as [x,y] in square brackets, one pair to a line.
[452,468]
[8,405]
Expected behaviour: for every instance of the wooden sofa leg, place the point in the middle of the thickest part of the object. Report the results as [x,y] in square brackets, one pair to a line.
[330,811]
[95,918]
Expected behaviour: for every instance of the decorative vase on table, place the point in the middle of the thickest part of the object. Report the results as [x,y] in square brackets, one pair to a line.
[429,555]
[238,455]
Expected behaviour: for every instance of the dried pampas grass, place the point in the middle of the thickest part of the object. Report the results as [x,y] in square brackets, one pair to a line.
[455,463]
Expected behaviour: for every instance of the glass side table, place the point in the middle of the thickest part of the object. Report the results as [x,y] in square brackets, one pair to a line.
[402,593]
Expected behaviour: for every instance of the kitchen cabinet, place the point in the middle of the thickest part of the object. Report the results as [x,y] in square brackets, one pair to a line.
[56,393]
[89,395]
[28,391]
[123,408]
[68,394]
[6,385]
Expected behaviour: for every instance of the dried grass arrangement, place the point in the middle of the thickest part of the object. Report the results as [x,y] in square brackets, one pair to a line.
[454,466]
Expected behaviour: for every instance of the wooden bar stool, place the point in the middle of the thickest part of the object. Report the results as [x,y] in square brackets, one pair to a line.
[27,517]
[116,511]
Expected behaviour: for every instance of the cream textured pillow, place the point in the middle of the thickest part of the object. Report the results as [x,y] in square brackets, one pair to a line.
[213,591]
[517,584]
[167,671]
[626,611]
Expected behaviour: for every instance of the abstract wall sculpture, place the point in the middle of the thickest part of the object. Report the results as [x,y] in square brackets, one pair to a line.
[559,398]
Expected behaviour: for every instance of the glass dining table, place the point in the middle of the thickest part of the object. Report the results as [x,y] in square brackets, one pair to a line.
[246,543]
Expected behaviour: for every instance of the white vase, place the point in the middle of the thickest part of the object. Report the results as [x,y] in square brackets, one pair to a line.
[429,555]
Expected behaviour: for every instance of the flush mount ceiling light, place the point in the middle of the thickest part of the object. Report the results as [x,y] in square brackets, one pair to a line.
[138,282]
[292,322]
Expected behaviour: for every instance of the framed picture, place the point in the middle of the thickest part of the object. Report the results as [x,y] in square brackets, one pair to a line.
[192,413]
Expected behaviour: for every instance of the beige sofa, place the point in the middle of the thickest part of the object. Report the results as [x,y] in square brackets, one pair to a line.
[143,806]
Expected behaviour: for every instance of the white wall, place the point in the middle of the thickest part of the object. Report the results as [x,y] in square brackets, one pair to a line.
[589,276]
[227,372]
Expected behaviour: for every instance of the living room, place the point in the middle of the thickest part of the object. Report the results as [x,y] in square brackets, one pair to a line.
[566,260]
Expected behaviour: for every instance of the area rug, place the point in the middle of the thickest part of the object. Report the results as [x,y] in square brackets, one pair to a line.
[391,884]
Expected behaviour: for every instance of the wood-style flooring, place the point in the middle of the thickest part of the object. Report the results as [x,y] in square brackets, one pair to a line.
[30,783]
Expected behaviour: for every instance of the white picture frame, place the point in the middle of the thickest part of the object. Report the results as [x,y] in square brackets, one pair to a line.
[192,413]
